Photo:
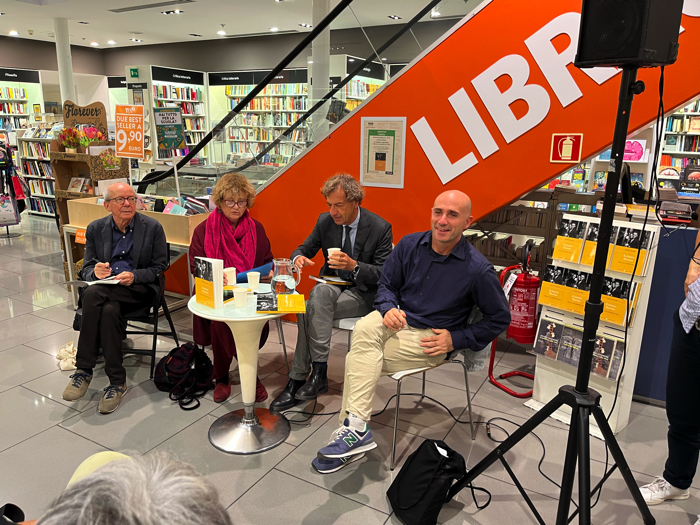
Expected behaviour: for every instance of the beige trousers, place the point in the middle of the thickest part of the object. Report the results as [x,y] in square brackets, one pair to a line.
[375,351]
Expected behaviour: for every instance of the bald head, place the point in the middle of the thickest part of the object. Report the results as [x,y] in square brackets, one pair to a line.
[452,214]
[119,188]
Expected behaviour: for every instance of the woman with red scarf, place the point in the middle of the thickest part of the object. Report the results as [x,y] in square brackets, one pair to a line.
[230,234]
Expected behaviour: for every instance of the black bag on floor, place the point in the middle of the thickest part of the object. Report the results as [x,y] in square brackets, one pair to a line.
[421,487]
[186,372]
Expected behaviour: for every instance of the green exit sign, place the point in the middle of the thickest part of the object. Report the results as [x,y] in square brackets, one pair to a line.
[134,71]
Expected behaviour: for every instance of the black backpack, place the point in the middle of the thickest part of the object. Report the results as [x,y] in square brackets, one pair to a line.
[186,372]
[422,486]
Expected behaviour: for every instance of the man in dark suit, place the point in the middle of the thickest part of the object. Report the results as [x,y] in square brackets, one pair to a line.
[131,248]
[365,241]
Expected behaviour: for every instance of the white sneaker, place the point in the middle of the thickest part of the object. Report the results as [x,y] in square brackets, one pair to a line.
[661,490]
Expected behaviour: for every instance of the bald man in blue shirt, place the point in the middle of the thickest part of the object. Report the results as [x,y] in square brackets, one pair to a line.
[429,286]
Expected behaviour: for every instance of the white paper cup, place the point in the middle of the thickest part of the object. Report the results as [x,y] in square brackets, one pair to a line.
[253,280]
[240,297]
[331,251]
[230,274]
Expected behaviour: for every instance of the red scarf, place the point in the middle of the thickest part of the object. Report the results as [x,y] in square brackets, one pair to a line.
[235,247]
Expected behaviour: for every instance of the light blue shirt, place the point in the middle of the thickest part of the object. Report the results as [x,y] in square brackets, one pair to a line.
[690,309]
[353,231]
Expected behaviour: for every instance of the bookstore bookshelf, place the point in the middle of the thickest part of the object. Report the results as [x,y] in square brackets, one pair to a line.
[34,164]
[279,106]
[679,163]
[21,98]
[565,287]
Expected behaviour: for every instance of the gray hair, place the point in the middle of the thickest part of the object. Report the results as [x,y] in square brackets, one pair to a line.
[353,191]
[108,195]
[152,490]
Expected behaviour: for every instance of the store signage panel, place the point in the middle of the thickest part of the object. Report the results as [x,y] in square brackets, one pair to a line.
[566,148]
[181,76]
[169,128]
[19,75]
[371,70]
[129,131]
[141,85]
[232,78]
[93,115]
[116,82]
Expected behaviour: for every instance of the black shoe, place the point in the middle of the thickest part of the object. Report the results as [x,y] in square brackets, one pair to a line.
[315,385]
[285,399]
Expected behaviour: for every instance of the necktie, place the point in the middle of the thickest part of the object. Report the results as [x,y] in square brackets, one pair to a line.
[346,249]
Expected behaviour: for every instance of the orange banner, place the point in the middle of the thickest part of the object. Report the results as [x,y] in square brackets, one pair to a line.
[80,236]
[129,127]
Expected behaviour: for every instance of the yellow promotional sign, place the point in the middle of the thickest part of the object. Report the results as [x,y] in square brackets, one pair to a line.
[129,127]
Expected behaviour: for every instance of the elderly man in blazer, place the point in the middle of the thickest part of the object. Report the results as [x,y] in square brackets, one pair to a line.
[365,241]
[131,248]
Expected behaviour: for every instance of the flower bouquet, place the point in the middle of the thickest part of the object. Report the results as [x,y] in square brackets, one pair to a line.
[69,138]
[89,135]
[109,160]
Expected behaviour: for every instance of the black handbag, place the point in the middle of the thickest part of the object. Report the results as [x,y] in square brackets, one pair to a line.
[421,488]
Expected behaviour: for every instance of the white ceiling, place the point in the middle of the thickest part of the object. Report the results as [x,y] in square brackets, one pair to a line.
[203,17]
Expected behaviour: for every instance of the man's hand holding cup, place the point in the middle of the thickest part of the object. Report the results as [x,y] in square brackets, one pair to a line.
[338,260]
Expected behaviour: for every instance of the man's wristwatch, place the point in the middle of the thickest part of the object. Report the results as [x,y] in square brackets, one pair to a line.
[355,270]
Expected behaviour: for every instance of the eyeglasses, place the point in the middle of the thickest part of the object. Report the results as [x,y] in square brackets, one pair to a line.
[120,200]
[240,204]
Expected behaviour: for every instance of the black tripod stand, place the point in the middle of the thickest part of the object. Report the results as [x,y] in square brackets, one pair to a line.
[583,401]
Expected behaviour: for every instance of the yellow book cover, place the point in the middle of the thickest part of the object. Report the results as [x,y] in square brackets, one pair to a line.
[282,304]
[550,295]
[630,242]
[205,292]
[591,245]
[614,310]
[570,240]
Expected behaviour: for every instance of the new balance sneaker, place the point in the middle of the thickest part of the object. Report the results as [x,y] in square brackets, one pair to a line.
[348,441]
[326,466]
[661,490]
[112,398]
[78,385]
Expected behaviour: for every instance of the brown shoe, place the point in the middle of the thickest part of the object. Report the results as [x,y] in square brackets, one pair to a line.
[77,387]
[112,398]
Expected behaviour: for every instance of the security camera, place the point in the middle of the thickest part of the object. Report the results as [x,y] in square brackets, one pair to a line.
[30,31]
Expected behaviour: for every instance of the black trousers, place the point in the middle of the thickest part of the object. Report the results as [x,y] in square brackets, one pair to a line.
[103,306]
[683,406]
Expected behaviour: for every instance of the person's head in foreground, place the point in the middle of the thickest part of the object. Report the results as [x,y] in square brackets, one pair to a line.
[451,215]
[151,490]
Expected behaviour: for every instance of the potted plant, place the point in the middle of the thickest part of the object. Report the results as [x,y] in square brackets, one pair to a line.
[89,135]
[69,138]
[109,160]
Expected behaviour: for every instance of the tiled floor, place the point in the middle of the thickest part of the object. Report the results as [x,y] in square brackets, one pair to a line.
[43,438]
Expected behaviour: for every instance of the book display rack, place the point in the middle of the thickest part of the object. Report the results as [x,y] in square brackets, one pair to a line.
[34,163]
[679,163]
[279,106]
[565,287]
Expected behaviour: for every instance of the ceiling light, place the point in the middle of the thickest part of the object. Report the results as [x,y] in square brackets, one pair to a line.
[84,23]
[434,13]
[309,26]
[221,32]
[394,17]
[111,42]
[383,58]
[196,35]
[351,59]
[310,62]
[2,14]
[135,40]
[14,33]
[274,29]
[94,44]
[175,12]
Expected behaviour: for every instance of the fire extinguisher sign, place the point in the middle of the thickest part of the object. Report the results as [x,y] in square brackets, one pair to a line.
[566,148]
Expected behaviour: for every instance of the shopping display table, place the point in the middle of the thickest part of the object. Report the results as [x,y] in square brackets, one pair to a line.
[250,430]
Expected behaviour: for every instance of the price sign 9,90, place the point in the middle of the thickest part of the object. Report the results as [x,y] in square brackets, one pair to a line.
[129,131]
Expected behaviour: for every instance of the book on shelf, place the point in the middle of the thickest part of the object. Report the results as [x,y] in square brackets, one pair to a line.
[77,184]
[569,242]
[602,352]
[270,303]
[12,93]
[570,346]
[694,125]
[616,360]
[173,208]
[548,338]
[629,243]
[209,281]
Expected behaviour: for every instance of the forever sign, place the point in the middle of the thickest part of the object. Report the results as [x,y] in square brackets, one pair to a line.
[129,126]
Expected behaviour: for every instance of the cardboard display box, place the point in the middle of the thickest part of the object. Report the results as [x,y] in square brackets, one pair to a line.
[178,228]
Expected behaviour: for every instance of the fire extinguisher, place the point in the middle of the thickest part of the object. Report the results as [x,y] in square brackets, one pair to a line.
[524,293]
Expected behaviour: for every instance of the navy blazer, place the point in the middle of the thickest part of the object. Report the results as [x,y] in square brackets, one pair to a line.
[373,244]
[149,252]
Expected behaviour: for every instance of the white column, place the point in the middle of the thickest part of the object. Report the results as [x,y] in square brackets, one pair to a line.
[65,62]
[321,70]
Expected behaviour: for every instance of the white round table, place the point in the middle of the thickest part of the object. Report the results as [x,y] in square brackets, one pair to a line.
[250,430]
